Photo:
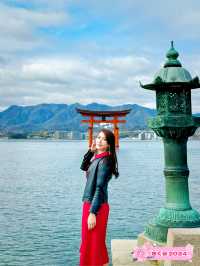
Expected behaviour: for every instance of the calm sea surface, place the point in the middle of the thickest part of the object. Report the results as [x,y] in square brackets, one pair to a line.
[41,186]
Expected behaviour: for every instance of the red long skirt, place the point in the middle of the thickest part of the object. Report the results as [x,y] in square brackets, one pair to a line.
[93,250]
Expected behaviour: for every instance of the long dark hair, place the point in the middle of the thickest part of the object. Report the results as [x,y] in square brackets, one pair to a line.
[110,138]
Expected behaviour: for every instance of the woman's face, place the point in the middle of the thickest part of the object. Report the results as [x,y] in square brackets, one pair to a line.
[101,142]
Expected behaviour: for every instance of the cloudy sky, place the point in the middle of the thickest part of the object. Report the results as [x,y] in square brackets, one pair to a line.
[68,51]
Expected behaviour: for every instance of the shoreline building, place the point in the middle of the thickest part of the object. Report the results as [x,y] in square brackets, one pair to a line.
[70,135]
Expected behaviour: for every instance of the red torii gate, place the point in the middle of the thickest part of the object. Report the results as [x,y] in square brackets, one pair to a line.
[103,114]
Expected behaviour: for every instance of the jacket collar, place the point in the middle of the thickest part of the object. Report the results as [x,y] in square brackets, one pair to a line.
[100,155]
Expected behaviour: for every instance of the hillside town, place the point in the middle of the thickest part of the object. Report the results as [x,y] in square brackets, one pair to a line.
[76,135]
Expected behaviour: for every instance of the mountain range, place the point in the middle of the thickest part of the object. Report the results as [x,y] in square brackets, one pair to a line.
[51,117]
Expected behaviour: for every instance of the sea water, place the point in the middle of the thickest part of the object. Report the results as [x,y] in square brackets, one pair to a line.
[41,187]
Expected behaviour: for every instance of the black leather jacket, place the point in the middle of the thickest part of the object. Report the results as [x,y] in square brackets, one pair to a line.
[98,173]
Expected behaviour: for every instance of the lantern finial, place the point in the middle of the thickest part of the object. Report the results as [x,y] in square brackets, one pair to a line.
[172,56]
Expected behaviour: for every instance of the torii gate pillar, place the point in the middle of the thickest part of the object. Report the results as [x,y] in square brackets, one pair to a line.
[116,132]
[90,131]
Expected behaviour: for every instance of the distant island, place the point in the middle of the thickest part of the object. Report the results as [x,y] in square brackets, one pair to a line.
[62,120]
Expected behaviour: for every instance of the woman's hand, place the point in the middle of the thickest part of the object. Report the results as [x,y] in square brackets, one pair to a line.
[93,147]
[91,221]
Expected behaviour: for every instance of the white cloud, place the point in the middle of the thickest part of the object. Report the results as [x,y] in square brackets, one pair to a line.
[105,69]
[74,80]
[19,27]
[110,80]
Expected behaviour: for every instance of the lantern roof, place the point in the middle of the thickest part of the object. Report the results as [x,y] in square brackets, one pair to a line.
[172,74]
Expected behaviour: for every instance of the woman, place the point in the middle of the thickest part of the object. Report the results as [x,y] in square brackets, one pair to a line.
[99,171]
